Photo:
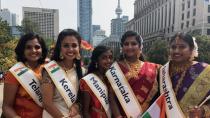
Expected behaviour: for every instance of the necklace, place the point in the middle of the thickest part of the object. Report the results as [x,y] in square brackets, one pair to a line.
[66,69]
[134,68]
[175,69]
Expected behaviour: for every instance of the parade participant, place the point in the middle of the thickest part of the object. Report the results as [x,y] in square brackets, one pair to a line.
[186,83]
[60,82]
[22,95]
[133,81]
[94,86]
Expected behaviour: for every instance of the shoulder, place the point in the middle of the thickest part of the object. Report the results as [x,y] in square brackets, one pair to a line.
[10,78]
[157,66]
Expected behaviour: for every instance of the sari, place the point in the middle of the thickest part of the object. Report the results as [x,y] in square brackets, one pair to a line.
[185,97]
[145,86]
[24,105]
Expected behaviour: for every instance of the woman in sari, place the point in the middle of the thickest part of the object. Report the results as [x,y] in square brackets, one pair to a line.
[60,99]
[185,81]
[141,76]
[101,60]
[18,102]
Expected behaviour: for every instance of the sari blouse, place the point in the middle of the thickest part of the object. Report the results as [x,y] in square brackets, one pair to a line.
[24,105]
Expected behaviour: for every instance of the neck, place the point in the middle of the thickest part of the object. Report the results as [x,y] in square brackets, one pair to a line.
[32,64]
[101,71]
[181,63]
[67,64]
[131,59]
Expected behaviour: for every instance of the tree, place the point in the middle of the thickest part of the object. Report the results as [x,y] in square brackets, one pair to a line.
[29,26]
[203,48]
[158,52]
[4,32]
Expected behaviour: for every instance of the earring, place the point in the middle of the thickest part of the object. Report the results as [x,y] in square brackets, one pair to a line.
[96,65]
[61,56]
[78,57]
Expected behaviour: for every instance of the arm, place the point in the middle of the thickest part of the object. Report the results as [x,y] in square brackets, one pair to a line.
[86,104]
[47,89]
[9,100]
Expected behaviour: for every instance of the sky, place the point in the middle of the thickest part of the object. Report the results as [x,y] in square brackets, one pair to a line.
[103,10]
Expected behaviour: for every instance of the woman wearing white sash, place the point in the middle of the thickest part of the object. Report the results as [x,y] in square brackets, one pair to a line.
[101,60]
[186,82]
[141,76]
[31,53]
[67,57]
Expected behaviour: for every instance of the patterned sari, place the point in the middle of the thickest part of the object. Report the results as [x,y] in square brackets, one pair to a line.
[145,86]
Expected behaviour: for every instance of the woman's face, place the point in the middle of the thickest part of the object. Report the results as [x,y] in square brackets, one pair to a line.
[105,60]
[131,47]
[33,50]
[69,48]
[180,51]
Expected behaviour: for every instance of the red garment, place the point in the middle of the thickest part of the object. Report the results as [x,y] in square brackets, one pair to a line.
[94,103]
[24,105]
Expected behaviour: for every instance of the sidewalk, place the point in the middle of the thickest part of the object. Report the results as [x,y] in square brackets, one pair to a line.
[1,96]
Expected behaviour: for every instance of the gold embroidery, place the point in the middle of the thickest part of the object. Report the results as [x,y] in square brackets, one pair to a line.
[143,88]
[133,69]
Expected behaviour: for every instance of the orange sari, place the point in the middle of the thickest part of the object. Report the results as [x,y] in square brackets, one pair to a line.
[24,105]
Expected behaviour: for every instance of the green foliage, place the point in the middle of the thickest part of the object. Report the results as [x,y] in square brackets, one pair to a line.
[4,32]
[203,48]
[158,52]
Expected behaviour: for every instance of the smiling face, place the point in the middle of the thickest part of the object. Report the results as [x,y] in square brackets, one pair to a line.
[180,50]
[105,60]
[69,48]
[131,48]
[33,50]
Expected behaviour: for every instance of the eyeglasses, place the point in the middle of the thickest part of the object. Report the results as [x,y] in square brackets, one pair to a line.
[36,47]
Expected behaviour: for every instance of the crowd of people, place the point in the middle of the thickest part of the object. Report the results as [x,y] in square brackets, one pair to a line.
[59,87]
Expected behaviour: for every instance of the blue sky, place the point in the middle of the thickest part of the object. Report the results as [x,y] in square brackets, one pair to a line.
[103,10]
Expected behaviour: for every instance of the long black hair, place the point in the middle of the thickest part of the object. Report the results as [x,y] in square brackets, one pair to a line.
[57,49]
[138,39]
[19,50]
[97,52]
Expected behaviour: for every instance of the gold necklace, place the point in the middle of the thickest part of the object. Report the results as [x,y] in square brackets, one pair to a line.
[66,69]
[134,68]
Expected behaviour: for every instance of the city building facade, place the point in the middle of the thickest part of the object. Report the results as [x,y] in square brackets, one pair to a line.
[10,18]
[155,19]
[47,20]
[98,37]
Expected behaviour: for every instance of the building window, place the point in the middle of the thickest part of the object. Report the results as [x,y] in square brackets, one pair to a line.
[188,14]
[194,12]
[183,16]
[209,8]
[194,2]
[187,24]
[208,19]
[188,4]
[183,7]
[208,31]
[182,25]
[193,22]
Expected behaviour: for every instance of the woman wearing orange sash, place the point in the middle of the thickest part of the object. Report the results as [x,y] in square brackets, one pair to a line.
[141,76]
[17,103]
[186,74]
[66,55]
[101,60]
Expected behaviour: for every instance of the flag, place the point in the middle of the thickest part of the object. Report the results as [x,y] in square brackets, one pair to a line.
[85,45]
[157,109]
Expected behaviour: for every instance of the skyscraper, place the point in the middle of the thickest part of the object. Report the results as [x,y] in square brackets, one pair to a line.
[46,19]
[85,19]
[11,18]
[118,24]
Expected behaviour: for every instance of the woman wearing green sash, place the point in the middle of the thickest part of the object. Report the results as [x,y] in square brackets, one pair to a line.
[18,102]
[60,99]
[101,60]
[141,77]
[185,82]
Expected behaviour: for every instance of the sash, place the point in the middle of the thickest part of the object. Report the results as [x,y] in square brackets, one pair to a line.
[123,91]
[173,109]
[100,90]
[197,91]
[28,81]
[62,83]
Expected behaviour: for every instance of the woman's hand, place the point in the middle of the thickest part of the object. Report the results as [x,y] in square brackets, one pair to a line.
[196,112]
[74,110]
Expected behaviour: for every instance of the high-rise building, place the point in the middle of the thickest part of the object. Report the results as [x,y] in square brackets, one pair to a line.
[11,18]
[47,20]
[118,24]
[155,19]
[95,28]
[85,19]
[98,36]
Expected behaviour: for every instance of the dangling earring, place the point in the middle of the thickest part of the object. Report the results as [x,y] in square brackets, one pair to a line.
[61,56]
[78,57]
[138,54]
[96,65]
